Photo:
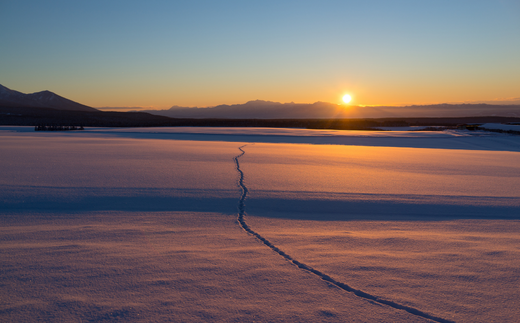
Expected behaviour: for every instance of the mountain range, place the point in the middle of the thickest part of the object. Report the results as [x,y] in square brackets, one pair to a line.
[259,109]
[322,110]
[43,99]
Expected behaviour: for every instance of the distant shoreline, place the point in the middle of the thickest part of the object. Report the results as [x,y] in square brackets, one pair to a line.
[30,116]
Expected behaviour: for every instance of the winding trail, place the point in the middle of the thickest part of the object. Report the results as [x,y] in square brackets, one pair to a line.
[325,277]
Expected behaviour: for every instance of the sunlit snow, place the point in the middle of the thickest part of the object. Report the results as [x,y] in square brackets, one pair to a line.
[140,224]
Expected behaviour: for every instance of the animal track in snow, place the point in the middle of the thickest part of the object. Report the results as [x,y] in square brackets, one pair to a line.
[325,277]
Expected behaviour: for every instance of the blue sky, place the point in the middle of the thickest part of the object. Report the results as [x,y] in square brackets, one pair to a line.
[204,53]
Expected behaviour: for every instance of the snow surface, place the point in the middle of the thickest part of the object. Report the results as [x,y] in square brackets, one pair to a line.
[499,126]
[140,225]
[451,139]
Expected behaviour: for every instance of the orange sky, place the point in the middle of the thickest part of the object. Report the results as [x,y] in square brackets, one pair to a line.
[188,54]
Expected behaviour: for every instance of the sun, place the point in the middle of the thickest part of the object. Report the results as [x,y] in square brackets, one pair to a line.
[347,98]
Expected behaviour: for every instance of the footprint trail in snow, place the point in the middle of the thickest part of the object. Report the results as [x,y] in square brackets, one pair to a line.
[343,286]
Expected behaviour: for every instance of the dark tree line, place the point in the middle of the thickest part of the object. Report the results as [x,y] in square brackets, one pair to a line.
[57,128]
[37,117]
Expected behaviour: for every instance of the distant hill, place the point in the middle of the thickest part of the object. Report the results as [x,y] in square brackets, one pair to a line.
[43,99]
[322,110]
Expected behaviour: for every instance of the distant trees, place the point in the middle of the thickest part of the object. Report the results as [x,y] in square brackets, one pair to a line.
[57,128]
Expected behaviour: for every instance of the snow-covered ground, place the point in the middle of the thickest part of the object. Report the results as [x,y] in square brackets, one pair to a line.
[450,139]
[141,225]
[499,126]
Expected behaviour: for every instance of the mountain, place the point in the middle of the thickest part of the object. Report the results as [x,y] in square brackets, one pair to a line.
[322,110]
[254,110]
[43,99]
[259,109]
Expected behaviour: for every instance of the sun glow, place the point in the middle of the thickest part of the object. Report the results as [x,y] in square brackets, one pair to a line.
[347,98]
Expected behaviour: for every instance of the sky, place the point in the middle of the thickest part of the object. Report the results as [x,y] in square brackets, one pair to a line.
[156,54]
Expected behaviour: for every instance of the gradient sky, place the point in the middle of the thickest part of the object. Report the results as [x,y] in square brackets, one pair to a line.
[204,53]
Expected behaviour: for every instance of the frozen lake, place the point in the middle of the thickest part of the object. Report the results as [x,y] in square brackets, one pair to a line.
[140,225]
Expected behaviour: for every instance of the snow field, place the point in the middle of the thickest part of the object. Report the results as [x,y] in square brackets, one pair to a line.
[460,270]
[448,266]
[158,267]
[140,226]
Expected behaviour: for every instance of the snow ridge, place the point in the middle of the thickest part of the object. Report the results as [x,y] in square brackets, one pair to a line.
[325,277]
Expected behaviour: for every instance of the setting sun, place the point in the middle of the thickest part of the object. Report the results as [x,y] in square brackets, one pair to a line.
[347,98]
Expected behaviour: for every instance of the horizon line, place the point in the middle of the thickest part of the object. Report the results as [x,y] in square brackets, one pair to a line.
[512,102]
